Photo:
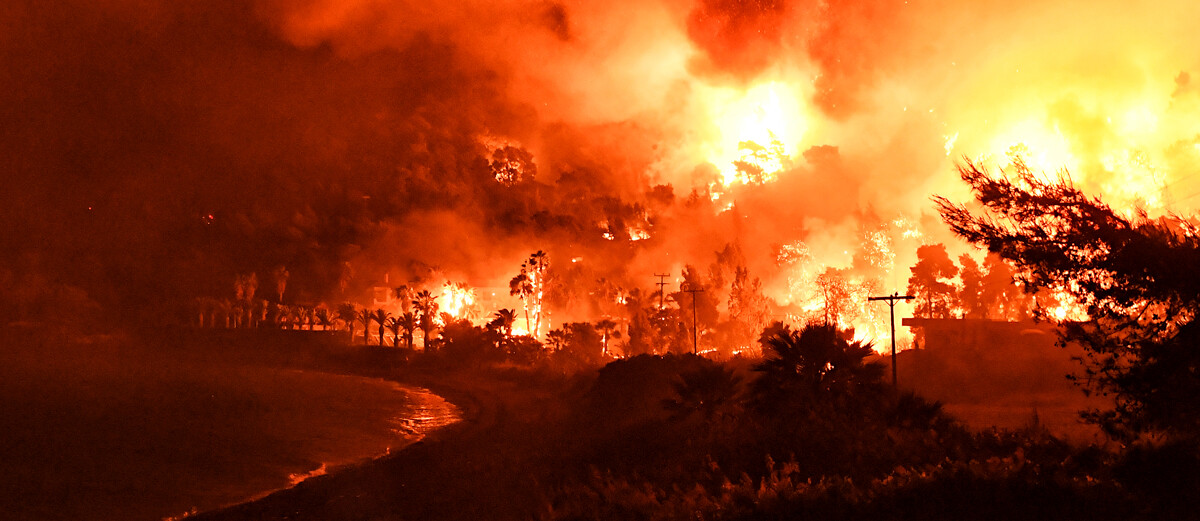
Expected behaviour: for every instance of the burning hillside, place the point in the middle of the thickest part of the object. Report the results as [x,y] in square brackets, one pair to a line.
[779,155]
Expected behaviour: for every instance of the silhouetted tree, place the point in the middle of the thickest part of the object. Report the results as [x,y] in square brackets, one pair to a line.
[503,321]
[607,329]
[281,275]
[748,308]
[524,349]
[405,295]
[394,324]
[930,282]
[1136,276]
[520,287]
[206,310]
[427,308]
[705,390]
[380,317]
[510,165]
[323,318]
[408,321]
[465,343]
[971,296]
[529,286]
[226,310]
[575,345]
[310,317]
[1006,299]
[244,288]
[347,313]
[835,294]
[365,316]
[811,362]
[705,301]
[557,339]
[502,324]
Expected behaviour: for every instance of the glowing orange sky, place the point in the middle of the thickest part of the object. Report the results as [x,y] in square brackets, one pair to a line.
[872,103]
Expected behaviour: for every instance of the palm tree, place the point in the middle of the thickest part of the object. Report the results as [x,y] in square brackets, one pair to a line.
[258,313]
[310,315]
[520,287]
[427,305]
[813,360]
[241,308]
[322,318]
[707,390]
[206,307]
[225,309]
[529,286]
[404,294]
[280,274]
[365,316]
[607,329]
[408,320]
[394,325]
[347,313]
[285,316]
[244,287]
[503,321]
[557,339]
[539,263]
[303,316]
[381,317]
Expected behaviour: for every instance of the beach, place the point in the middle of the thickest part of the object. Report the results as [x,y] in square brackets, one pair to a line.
[117,428]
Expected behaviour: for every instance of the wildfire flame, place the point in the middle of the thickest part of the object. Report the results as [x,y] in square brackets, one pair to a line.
[457,299]
[757,131]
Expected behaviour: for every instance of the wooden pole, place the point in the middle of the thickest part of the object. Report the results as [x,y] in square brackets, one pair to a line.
[891,300]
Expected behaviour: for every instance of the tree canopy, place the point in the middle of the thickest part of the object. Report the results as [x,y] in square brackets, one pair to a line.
[1134,276]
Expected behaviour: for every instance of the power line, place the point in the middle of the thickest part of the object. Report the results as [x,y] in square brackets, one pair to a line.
[661,283]
[891,300]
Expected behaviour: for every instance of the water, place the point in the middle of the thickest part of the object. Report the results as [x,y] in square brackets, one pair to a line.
[97,432]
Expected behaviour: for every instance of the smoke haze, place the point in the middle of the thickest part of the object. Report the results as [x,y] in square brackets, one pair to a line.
[152,151]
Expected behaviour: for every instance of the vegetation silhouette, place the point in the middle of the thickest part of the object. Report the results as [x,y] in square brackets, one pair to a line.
[814,361]
[426,306]
[1134,276]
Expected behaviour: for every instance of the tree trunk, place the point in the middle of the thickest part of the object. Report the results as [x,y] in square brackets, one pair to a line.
[527,320]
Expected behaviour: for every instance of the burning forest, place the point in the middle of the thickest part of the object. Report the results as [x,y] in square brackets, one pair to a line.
[672,215]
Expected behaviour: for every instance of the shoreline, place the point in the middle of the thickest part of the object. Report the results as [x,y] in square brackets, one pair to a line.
[174,421]
[336,468]
[449,385]
[464,470]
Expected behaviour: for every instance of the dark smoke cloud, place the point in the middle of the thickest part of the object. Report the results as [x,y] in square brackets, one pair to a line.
[851,42]
[154,153]
[557,20]
[736,37]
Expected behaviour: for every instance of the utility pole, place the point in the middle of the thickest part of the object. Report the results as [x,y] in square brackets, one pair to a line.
[661,282]
[891,300]
[695,332]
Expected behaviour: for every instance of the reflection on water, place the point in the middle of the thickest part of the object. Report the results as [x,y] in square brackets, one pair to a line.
[426,412]
[100,434]
[295,479]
